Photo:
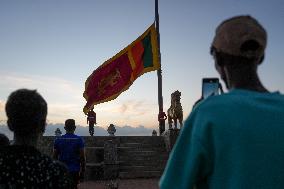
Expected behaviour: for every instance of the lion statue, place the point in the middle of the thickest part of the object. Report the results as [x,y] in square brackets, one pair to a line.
[175,111]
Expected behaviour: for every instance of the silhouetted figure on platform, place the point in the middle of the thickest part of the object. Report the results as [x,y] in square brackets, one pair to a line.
[91,120]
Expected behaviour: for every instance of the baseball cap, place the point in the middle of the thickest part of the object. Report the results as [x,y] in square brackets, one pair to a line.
[240,36]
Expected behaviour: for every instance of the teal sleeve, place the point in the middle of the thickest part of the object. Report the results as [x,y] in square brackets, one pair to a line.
[188,163]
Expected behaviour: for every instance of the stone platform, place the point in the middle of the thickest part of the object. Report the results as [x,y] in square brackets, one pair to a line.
[136,156]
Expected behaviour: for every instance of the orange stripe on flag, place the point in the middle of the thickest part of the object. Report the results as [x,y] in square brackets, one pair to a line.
[137,53]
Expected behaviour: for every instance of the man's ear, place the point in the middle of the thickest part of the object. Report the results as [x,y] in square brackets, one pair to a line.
[10,125]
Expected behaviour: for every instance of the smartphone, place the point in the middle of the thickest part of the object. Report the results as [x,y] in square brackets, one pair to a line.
[210,87]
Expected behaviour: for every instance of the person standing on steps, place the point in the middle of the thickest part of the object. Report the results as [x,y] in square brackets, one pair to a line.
[91,120]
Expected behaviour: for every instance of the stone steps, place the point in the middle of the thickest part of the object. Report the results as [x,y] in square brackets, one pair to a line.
[143,163]
[142,159]
[94,171]
[142,148]
[139,174]
[158,140]
[94,154]
[140,168]
[141,145]
[139,153]
[150,155]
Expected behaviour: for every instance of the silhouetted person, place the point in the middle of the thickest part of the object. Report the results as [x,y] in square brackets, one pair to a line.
[234,140]
[162,116]
[4,140]
[21,164]
[91,119]
[69,149]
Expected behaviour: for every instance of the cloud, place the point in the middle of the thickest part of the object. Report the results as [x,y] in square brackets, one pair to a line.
[132,107]
[63,109]
[51,85]
[2,105]
[128,112]
[122,108]
[64,98]
[3,118]
[133,131]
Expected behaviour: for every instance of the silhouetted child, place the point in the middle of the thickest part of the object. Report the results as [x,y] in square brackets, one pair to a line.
[22,165]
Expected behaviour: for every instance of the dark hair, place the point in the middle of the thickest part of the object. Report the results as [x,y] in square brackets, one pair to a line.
[4,141]
[26,111]
[70,125]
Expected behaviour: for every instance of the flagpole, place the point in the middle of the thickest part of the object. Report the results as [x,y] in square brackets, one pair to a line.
[161,116]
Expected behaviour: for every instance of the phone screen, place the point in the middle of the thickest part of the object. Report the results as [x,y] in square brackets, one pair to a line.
[210,87]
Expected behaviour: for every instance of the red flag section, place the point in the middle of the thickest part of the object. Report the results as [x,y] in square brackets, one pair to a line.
[118,73]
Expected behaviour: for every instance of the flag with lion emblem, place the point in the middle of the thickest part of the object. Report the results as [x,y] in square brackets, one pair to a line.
[117,74]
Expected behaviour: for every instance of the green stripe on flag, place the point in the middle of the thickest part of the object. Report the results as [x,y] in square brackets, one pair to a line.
[147,56]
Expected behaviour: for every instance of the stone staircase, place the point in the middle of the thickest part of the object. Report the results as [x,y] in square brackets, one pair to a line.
[142,157]
[94,162]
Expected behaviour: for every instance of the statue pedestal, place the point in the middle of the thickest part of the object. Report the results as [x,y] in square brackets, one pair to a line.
[110,160]
[170,137]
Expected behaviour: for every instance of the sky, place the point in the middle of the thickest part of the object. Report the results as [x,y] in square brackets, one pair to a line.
[54,45]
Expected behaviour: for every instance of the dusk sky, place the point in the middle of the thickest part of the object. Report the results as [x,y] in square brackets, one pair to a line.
[54,45]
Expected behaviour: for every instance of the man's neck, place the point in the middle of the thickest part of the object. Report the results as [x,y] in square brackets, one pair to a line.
[247,81]
[251,88]
[254,85]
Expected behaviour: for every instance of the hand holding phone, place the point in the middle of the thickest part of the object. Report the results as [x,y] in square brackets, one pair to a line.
[210,87]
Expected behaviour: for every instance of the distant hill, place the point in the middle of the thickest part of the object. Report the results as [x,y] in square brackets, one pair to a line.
[84,131]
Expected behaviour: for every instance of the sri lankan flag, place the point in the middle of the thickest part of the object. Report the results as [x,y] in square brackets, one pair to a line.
[118,73]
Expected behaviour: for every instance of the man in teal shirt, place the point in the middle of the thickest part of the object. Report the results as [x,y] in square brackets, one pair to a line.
[234,140]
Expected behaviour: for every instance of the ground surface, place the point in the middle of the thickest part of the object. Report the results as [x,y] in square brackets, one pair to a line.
[123,184]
